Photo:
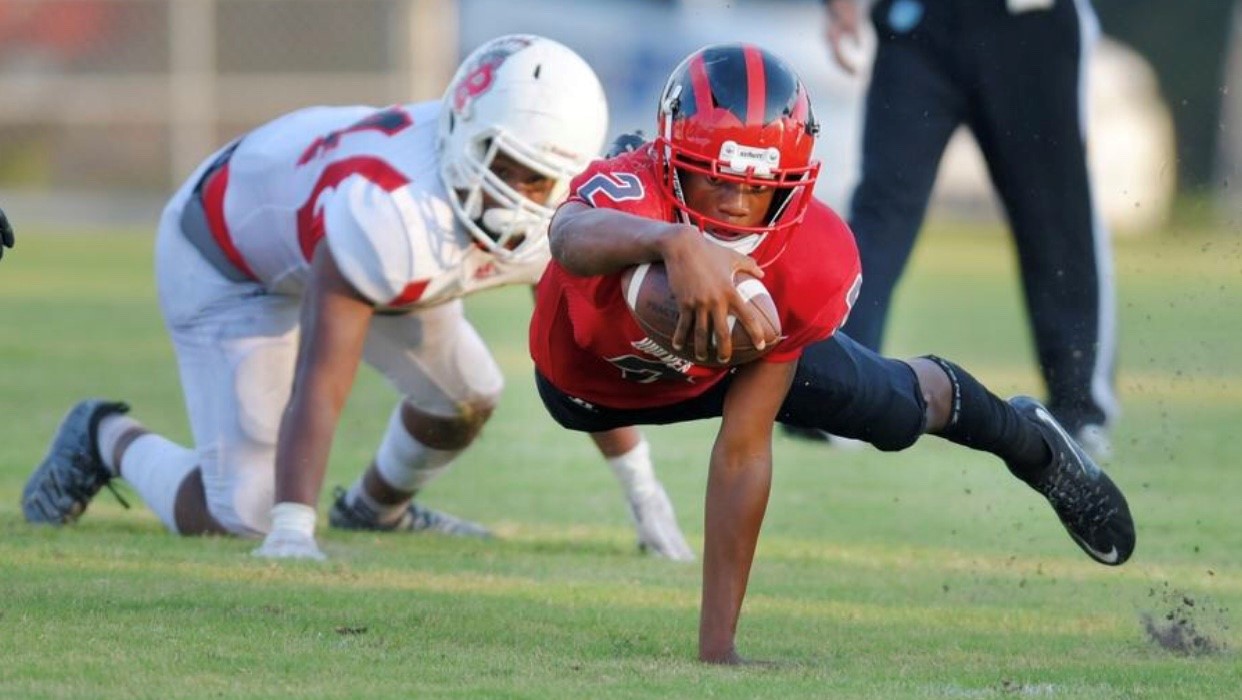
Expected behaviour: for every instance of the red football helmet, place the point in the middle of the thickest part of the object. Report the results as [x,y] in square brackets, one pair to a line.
[737,112]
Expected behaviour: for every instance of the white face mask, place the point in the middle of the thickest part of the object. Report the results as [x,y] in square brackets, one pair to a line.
[508,224]
[744,245]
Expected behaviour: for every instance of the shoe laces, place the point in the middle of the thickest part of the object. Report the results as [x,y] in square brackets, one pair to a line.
[83,489]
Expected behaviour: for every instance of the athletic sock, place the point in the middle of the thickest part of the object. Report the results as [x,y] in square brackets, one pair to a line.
[980,420]
[111,429]
[407,464]
[634,470]
[155,466]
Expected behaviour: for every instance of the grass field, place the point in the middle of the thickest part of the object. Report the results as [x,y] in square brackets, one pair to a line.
[928,574]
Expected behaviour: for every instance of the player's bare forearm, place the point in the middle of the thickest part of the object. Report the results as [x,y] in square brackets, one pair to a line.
[587,241]
[334,326]
[737,496]
[738,484]
[302,448]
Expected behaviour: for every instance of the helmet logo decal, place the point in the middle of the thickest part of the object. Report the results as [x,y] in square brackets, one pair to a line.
[478,77]
[746,159]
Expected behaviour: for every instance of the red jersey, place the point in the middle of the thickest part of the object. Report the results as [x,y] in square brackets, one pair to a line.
[585,342]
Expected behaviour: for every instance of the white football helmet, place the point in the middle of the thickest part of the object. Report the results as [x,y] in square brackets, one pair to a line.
[539,103]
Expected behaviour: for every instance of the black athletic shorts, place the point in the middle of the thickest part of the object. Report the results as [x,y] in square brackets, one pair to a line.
[839,386]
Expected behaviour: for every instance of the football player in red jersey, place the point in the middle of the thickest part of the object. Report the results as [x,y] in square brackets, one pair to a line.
[726,187]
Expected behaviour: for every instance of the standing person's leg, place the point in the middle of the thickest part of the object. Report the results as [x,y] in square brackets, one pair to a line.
[1031,127]
[912,108]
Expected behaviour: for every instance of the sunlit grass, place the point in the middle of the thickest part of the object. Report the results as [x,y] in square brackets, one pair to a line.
[926,574]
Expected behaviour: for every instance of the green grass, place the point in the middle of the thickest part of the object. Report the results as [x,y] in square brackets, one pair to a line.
[927,574]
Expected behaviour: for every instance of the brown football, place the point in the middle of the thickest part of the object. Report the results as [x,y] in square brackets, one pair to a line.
[654,308]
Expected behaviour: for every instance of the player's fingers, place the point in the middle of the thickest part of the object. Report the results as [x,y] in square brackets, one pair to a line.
[757,327]
[747,264]
[722,328]
[702,329]
[684,319]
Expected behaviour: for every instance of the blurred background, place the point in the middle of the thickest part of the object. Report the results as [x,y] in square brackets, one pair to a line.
[106,105]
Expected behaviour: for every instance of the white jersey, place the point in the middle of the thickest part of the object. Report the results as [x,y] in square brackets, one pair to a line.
[366,180]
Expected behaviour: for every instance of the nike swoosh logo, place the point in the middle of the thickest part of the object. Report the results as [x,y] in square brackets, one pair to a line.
[1109,557]
[1082,459]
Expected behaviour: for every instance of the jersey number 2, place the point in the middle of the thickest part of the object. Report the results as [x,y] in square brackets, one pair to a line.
[619,187]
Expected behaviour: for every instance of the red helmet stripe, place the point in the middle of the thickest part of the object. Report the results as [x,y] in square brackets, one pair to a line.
[702,86]
[756,90]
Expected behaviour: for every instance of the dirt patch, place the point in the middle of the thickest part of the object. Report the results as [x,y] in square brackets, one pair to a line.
[1185,623]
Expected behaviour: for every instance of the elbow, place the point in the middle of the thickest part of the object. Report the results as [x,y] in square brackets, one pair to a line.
[557,242]
[564,252]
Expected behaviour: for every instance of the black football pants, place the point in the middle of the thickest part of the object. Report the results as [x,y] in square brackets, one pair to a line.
[839,386]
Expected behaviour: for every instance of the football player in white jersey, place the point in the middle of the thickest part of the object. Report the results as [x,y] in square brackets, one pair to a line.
[330,236]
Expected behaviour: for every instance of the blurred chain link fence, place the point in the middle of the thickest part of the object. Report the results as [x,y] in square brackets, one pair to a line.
[106,102]
[130,94]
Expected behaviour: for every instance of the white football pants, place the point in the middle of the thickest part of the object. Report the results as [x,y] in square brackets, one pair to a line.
[236,347]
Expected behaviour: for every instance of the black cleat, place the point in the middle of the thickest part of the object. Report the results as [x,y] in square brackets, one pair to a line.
[72,472]
[1089,504]
[415,519]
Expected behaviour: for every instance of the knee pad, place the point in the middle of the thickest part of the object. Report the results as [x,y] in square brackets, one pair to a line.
[452,432]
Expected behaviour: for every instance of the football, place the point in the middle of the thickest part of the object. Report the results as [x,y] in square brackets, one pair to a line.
[654,308]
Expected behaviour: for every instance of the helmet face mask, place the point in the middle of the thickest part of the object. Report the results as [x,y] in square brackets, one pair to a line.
[737,113]
[537,103]
[490,207]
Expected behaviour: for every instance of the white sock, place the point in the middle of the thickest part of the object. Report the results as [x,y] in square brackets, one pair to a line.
[634,470]
[155,466]
[407,464]
[111,428]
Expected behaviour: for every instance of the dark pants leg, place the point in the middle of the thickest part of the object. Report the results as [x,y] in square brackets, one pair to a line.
[1027,118]
[849,390]
[912,108]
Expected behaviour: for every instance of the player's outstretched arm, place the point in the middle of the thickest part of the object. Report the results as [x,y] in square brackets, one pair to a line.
[738,483]
[589,241]
[6,233]
[334,326]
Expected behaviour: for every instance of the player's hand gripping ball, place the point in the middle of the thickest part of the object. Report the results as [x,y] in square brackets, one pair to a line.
[654,308]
